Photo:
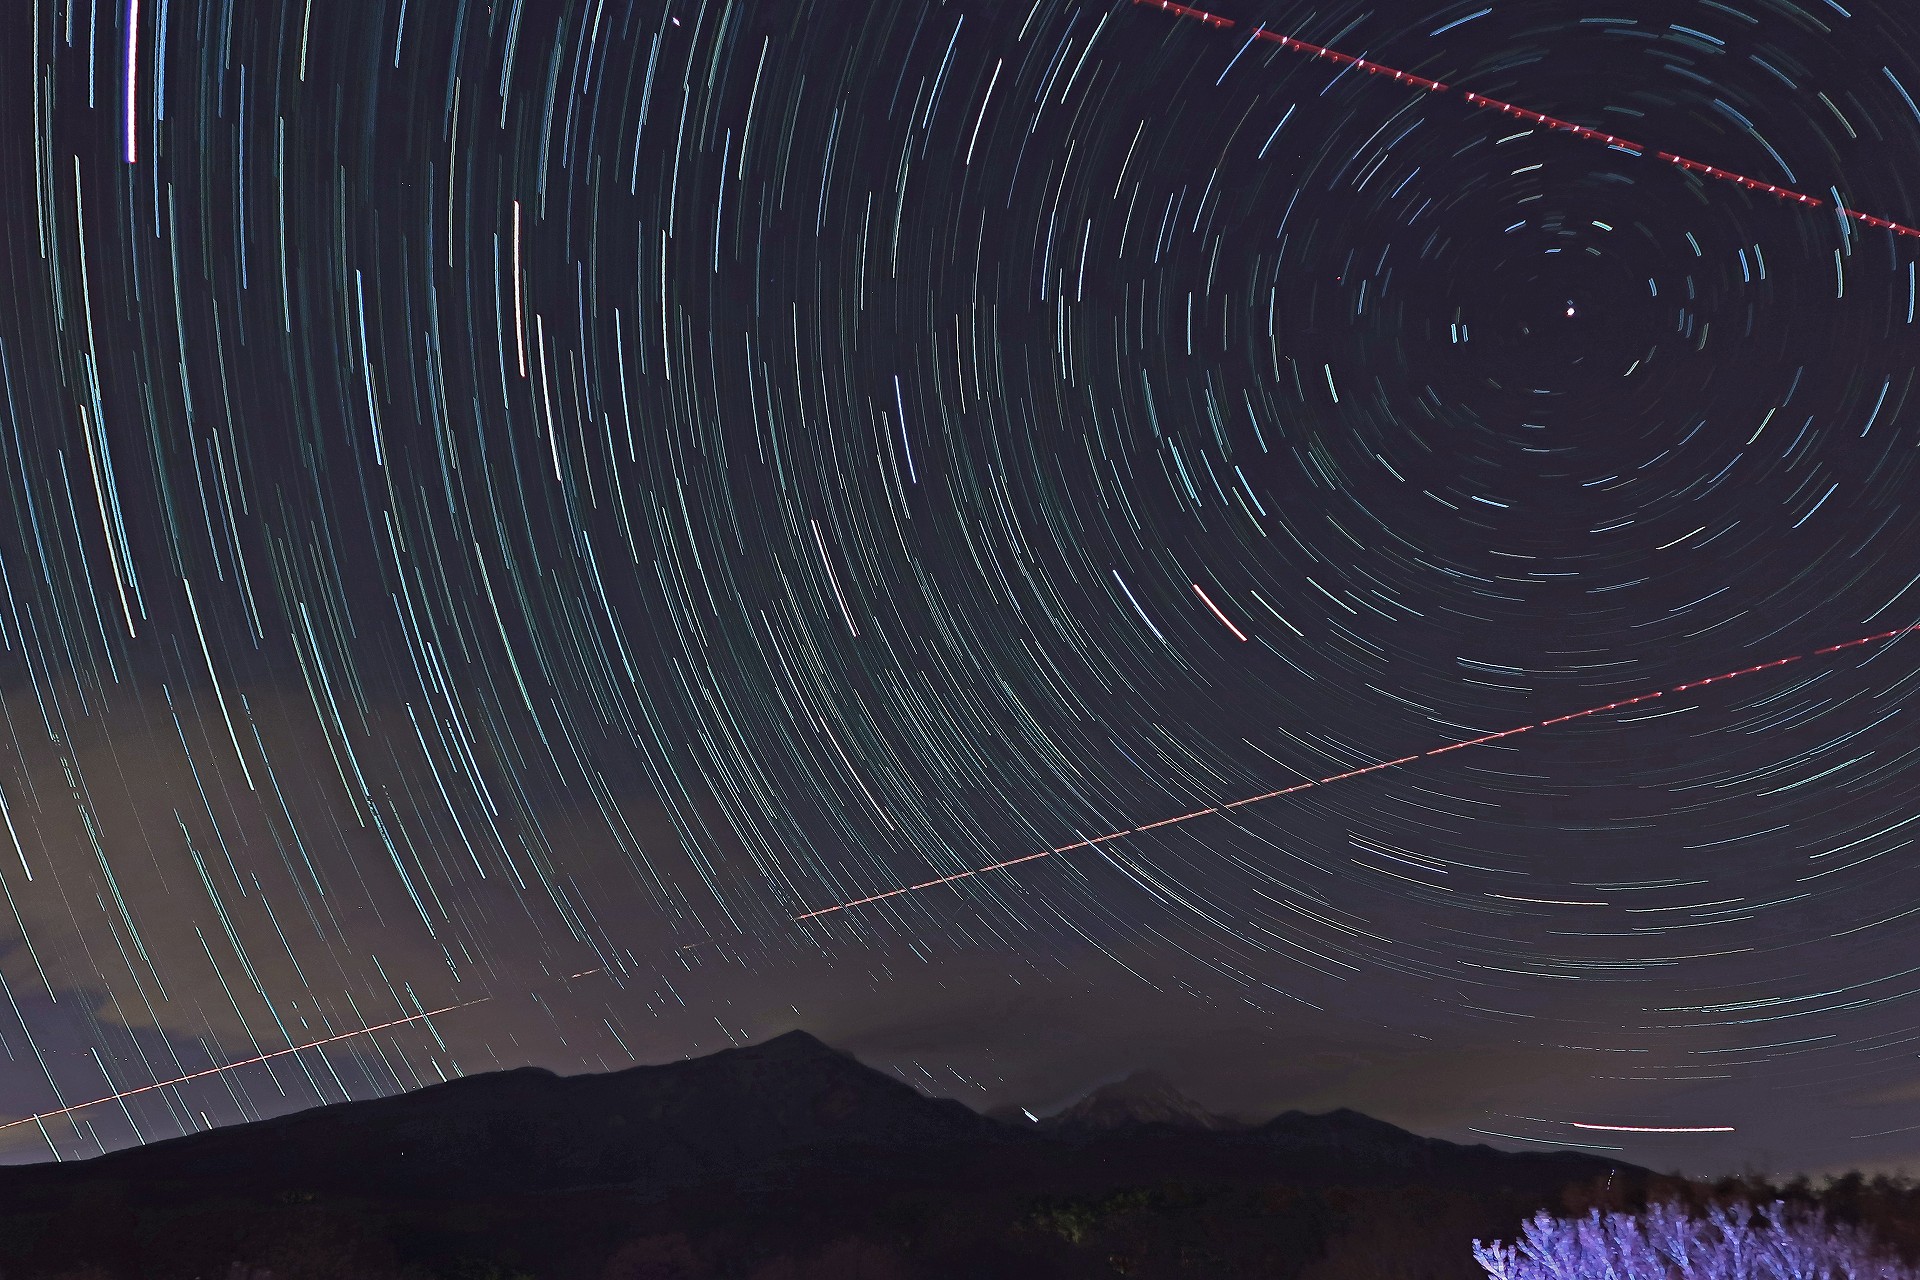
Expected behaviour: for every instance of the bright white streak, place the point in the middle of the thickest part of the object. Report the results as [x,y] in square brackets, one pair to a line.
[1650,1128]
[133,52]
[519,306]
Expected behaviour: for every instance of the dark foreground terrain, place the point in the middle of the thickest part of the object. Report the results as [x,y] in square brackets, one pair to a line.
[791,1161]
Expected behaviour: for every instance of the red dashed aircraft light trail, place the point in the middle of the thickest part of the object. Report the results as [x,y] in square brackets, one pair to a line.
[1217,22]
[234,1066]
[224,1067]
[1298,787]
[1123,833]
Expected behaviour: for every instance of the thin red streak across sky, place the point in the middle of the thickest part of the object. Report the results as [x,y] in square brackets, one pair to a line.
[248,1062]
[1534,117]
[234,1066]
[1298,787]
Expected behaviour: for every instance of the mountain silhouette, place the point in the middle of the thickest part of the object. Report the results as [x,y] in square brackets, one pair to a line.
[739,1110]
[1145,1097]
[760,1153]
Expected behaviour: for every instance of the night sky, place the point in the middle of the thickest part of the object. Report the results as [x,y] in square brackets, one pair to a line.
[505,507]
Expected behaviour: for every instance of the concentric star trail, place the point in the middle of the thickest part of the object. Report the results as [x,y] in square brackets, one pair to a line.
[494,490]
[1296,788]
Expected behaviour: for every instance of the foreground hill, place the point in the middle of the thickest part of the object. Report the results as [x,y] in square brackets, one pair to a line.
[788,1160]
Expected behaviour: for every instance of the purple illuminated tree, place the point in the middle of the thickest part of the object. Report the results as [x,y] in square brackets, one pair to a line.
[1726,1242]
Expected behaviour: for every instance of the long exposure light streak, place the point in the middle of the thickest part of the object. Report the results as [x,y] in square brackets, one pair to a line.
[1655,1128]
[1298,787]
[1217,22]
[43,1116]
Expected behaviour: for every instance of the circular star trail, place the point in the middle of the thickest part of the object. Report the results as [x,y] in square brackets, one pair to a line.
[510,506]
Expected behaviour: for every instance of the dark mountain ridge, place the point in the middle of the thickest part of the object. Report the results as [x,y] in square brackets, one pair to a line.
[527,1129]
[736,1113]
[748,1154]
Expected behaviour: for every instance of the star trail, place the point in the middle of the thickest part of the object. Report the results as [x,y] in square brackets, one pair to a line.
[517,517]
